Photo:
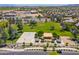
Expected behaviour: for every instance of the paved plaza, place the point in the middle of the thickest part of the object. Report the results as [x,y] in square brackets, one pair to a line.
[27,37]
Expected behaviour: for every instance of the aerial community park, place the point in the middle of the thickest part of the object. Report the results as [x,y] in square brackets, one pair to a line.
[39,30]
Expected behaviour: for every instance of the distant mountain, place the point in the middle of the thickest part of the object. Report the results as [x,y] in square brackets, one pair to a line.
[72,5]
[7,5]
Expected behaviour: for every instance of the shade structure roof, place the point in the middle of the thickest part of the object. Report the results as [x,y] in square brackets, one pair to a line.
[47,35]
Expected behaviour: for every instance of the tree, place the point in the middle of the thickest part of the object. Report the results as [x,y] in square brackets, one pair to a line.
[23,45]
[1,30]
[59,18]
[39,17]
[36,35]
[55,35]
[9,21]
[42,39]
[47,44]
[0,41]
[45,48]
[4,37]
[31,44]
[12,33]
[67,44]
[53,48]
[64,26]
[52,28]
[55,45]
[74,31]
[74,16]
[10,30]
[52,17]
[46,20]
[1,15]
[32,24]
[19,25]
[3,24]
[40,34]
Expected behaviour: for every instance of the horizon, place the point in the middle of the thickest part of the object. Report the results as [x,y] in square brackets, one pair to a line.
[9,5]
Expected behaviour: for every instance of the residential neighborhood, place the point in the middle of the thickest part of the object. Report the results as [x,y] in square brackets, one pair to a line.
[39,30]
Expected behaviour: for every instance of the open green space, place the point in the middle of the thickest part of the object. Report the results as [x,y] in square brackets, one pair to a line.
[46,28]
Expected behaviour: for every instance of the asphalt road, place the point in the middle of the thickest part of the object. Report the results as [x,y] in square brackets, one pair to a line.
[30,52]
[35,52]
[69,53]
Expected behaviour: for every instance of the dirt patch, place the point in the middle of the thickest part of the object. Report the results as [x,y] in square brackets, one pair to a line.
[67,39]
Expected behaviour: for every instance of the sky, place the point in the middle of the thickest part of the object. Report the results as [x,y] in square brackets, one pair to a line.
[39,1]
[3,5]
[31,4]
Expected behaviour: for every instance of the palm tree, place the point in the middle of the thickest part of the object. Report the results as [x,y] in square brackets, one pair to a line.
[47,44]
[4,37]
[23,45]
[36,35]
[19,25]
[1,15]
[31,44]
[66,44]
[53,48]
[39,17]
[55,45]
[0,41]
[45,48]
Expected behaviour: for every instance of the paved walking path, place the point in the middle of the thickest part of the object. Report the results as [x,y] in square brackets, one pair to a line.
[9,49]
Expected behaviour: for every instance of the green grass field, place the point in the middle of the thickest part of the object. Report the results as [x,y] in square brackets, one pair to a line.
[46,28]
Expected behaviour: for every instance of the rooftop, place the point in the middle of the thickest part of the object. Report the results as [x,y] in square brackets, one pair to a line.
[47,35]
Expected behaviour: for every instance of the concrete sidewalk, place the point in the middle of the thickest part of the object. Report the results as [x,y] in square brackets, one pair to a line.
[37,48]
[9,49]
